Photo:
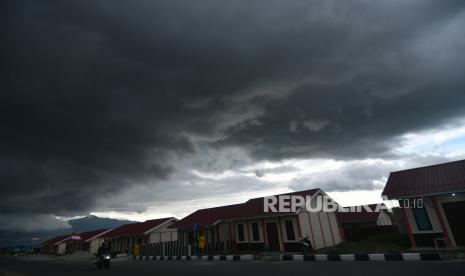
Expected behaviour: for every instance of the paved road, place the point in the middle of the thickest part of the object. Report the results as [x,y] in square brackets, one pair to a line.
[17,267]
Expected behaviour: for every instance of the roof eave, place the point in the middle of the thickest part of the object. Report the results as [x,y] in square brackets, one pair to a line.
[397,197]
[60,241]
[160,225]
[98,235]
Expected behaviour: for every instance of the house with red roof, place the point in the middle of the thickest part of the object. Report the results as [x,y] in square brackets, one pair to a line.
[86,241]
[432,200]
[371,215]
[128,238]
[67,244]
[55,245]
[359,222]
[248,227]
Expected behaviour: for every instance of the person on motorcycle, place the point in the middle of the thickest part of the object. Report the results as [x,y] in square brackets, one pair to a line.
[306,246]
[103,256]
[103,249]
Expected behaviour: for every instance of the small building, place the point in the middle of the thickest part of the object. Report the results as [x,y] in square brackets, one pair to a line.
[360,222]
[432,200]
[128,238]
[56,245]
[247,227]
[364,216]
[88,241]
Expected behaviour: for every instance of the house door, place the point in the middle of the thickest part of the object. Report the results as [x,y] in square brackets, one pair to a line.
[454,213]
[272,236]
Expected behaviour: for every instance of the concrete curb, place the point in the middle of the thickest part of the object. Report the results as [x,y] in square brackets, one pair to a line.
[203,258]
[366,257]
[391,257]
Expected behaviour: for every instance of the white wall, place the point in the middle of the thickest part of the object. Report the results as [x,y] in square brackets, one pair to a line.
[321,228]
[246,233]
[61,248]
[164,234]
[296,230]
[324,230]
[260,230]
[383,219]
[435,223]
[95,244]
[248,229]
[224,231]
[335,228]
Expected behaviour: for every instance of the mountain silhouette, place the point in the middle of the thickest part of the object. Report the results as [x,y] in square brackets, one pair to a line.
[9,238]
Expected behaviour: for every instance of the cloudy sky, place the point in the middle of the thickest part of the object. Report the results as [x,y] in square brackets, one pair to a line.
[145,109]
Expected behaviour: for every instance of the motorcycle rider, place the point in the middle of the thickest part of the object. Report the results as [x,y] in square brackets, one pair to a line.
[306,245]
[104,249]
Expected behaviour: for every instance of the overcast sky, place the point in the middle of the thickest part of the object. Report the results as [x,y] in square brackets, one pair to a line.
[145,109]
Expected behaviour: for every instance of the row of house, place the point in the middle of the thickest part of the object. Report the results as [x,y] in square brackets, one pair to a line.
[129,237]
[249,228]
[246,227]
[87,242]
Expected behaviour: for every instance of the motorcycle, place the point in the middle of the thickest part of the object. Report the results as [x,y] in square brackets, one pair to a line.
[306,246]
[103,261]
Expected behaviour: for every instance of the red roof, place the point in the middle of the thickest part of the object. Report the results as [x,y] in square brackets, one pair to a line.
[436,179]
[84,236]
[208,216]
[249,209]
[135,229]
[362,216]
[88,235]
[56,239]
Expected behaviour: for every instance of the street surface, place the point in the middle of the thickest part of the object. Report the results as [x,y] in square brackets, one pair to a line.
[15,266]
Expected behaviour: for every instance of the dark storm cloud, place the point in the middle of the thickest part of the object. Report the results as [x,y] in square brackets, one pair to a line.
[364,175]
[344,121]
[98,97]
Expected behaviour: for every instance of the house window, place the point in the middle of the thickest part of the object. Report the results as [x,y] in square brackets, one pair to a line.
[190,238]
[255,232]
[422,219]
[212,235]
[290,230]
[240,232]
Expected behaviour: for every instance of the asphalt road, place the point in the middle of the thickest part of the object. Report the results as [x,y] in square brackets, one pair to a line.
[10,266]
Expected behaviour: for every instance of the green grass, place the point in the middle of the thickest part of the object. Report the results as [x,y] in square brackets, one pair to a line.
[383,243]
